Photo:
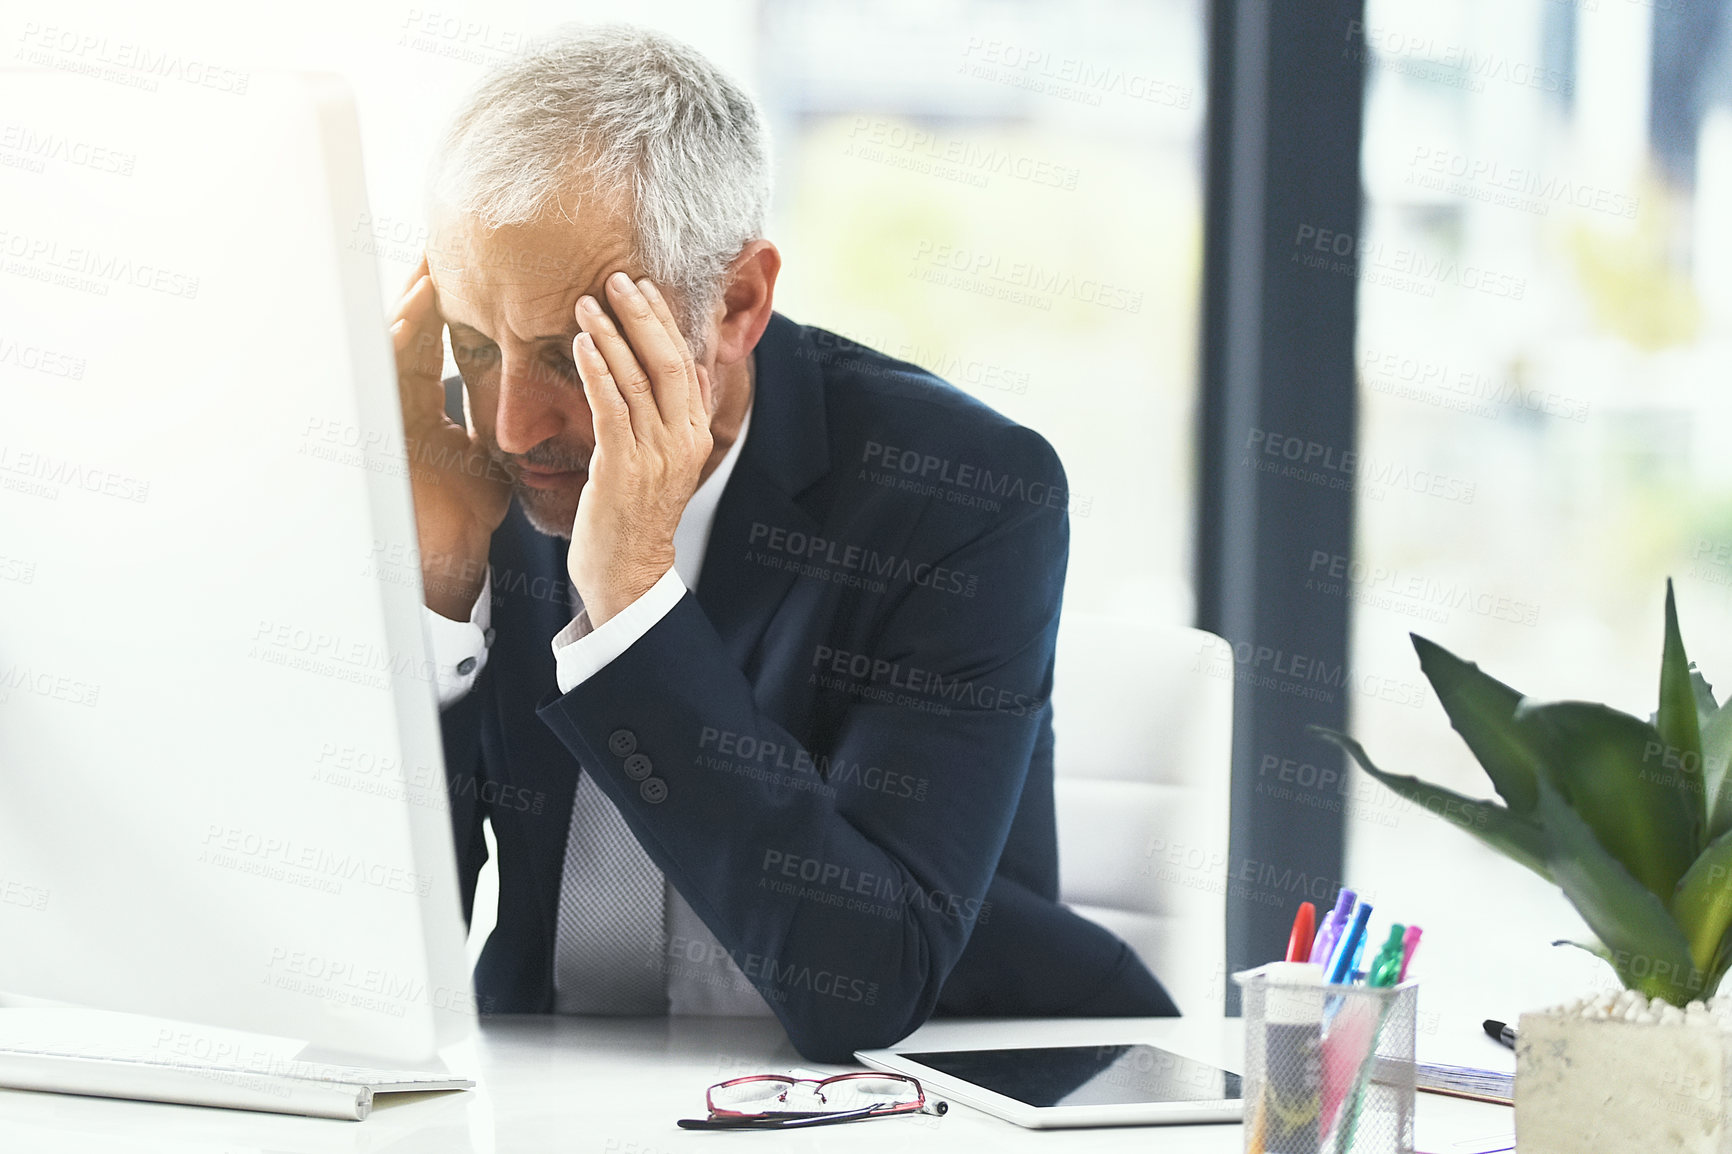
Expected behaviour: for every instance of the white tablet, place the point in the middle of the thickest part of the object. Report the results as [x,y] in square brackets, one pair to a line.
[1048,1087]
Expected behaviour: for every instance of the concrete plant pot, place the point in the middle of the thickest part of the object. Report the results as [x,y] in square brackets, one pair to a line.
[1638,1079]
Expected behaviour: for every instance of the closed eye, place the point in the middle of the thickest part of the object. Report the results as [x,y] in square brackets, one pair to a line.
[475,356]
[564,366]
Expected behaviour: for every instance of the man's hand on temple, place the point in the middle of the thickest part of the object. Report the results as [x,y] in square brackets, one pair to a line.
[461,494]
[651,407]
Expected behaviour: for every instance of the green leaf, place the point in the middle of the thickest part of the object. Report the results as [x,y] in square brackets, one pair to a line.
[1503,830]
[1716,780]
[1704,694]
[1594,948]
[1677,721]
[1608,767]
[1481,709]
[1703,904]
[1645,944]
[1715,726]
[1722,962]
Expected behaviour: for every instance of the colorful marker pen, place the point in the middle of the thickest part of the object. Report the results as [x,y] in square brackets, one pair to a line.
[1333,926]
[1409,943]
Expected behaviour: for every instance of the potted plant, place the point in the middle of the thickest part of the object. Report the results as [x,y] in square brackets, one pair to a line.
[1632,819]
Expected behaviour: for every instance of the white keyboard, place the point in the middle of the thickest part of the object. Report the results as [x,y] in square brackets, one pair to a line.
[258,1081]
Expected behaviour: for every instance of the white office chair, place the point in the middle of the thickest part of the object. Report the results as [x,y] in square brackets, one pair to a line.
[1143,717]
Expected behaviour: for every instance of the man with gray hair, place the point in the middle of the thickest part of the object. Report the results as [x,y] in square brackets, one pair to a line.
[745,633]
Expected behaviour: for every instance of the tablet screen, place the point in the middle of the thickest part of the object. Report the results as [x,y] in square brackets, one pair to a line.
[1086,1075]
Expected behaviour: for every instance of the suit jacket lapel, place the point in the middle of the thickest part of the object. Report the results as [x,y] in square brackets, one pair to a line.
[787,450]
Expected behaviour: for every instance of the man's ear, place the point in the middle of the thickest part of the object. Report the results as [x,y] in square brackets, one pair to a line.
[747,301]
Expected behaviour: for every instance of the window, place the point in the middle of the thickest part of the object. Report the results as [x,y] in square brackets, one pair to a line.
[1545,355]
[1010,196]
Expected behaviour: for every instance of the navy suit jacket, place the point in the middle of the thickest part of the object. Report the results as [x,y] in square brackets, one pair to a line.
[846,732]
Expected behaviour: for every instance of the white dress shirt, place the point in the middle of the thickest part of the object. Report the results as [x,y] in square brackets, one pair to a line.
[702,979]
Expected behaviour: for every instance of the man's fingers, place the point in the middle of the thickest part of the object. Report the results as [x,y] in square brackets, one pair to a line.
[421,270]
[696,409]
[420,355]
[612,412]
[706,392]
[620,362]
[663,361]
[665,314]
[420,349]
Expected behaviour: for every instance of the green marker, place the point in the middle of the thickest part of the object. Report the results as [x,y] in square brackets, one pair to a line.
[1386,967]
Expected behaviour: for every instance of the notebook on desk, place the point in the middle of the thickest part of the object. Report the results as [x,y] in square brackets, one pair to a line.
[1465,1082]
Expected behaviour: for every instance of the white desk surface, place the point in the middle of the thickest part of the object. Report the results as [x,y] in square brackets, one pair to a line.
[551,1084]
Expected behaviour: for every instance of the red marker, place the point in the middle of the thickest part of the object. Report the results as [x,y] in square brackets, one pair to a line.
[1304,927]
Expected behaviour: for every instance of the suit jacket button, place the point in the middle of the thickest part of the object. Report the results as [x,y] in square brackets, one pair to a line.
[466,667]
[654,791]
[637,767]
[621,742]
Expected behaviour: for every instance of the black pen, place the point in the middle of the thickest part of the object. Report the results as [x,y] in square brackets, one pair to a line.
[1500,1033]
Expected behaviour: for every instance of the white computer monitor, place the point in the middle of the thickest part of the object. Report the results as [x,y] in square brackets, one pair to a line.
[222,796]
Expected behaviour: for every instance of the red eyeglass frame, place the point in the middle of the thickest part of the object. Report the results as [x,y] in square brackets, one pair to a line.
[918,1102]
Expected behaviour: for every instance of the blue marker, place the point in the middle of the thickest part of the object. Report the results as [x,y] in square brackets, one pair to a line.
[1352,946]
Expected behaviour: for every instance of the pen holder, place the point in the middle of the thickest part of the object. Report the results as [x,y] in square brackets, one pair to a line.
[1328,1069]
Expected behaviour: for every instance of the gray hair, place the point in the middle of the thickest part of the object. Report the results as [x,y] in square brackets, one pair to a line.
[618,108]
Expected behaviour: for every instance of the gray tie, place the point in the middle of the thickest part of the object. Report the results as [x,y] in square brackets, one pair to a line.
[611,908]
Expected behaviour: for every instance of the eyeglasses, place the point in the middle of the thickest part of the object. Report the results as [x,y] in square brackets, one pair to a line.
[771,1101]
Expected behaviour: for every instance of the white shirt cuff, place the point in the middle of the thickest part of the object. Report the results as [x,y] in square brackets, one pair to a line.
[580,652]
[459,648]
